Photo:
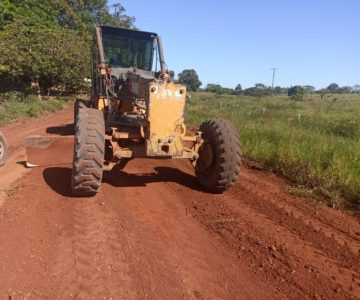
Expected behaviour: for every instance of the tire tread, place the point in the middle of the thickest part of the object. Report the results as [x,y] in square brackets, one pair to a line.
[225,141]
[89,150]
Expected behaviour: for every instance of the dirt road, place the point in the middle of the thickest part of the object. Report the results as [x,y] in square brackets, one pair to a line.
[153,233]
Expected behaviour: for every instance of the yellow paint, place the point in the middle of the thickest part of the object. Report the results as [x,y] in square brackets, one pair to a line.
[166,108]
[102,103]
[166,119]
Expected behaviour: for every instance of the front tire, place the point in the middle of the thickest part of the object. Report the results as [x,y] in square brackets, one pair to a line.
[78,104]
[218,165]
[89,149]
[3,149]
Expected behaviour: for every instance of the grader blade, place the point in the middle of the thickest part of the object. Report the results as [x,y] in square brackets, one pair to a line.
[49,150]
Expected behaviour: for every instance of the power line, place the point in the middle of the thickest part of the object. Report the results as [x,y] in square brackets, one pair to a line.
[273,78]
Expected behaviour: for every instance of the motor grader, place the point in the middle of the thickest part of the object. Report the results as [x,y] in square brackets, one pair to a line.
[137,111]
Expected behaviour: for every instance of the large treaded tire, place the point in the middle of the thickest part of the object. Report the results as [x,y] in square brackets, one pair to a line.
[80,103]
[89,149]
[3,149]
[218,166]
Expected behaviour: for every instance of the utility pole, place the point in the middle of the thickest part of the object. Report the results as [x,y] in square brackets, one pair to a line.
[272,84]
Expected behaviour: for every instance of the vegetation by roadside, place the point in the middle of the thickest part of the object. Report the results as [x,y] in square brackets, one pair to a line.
[46,43]
[315,143]
[15,106]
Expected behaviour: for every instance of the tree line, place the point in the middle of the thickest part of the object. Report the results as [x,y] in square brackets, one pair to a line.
[46,43]
[190,78]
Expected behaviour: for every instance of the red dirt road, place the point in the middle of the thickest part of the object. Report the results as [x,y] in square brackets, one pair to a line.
[153,233]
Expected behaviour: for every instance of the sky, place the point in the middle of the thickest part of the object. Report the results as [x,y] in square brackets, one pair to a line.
[233,42]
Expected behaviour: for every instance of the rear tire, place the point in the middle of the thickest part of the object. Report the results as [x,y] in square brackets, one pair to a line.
[218,166]
[89,149]
[3,149]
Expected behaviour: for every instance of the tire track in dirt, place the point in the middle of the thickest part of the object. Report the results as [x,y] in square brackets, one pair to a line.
[348,240]
[339,246]
[187,261]
[335,265]
[306,252]
[89,262]
[336,219]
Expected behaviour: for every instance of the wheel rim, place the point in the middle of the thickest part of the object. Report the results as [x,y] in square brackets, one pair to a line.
[206,159]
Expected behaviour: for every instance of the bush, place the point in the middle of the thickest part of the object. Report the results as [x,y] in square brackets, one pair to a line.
[31,106]
[51,57]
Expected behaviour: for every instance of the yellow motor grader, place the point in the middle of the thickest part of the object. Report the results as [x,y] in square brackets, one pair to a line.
[137,111]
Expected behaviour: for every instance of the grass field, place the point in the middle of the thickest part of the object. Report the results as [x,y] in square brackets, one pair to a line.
[315,143]
[14,106]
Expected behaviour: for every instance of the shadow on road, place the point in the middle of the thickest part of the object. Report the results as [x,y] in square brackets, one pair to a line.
[58,179]
[160,174]
[68,129]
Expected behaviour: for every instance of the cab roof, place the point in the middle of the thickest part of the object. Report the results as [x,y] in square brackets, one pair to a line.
[124,31]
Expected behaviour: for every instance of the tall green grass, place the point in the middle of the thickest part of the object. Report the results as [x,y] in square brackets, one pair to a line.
[14,106]
[314,143]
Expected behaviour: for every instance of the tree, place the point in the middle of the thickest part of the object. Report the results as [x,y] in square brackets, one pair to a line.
[218,89]
[356,88]
[49,56]
[118,17]
[213,88]
[278,90]
[297,92]
[30,12]
[250,92]
[309,88]
[82,15]
[333,88]
[260,90]
[237,90]
[189,78]
[77,15]
[47,41]
[172,74]
[345,90]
